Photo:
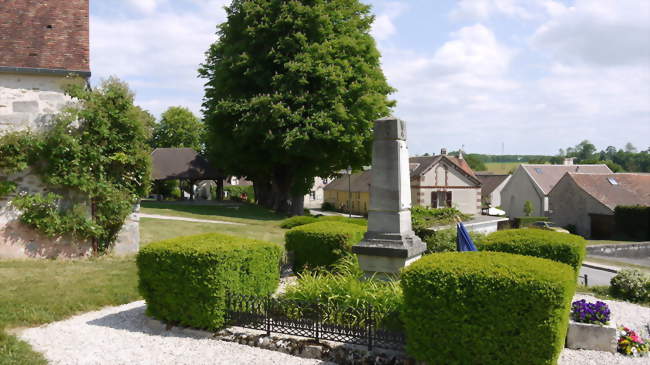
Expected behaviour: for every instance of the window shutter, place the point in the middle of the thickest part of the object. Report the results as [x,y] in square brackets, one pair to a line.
[434,199]
[449,199]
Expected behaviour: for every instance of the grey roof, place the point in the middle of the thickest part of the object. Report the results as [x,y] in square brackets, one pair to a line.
[181,163]
[546,176]
[489,182]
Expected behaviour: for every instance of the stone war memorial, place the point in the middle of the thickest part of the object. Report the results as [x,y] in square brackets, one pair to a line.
[390,243]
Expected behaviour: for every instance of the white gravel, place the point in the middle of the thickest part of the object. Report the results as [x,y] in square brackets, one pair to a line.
[626,314]
[119,335]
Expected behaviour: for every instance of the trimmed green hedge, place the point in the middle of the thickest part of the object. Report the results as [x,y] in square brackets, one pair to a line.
[523,222]
[184,280]
[486,308]
[338,218]
[321,244]
[299,220]
[562,247]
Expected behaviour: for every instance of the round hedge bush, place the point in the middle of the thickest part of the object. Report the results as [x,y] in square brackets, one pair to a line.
[631,284]
[299,220]
[338,218]
[562,247]
[184,280]
[322,244]
[486,308]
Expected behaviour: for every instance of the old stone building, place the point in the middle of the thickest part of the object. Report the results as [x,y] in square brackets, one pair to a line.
[43,46]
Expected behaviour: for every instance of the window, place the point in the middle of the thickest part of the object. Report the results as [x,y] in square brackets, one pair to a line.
[612,181]
[312,195]
[441,199]
[538,170]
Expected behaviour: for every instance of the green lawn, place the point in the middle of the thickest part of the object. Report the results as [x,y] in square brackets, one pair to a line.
[35,292]
[501,167]
[609,242]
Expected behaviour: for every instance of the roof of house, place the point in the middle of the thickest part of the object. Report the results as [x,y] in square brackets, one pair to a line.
[421,164]
[44,35]
[490,181]
[181,163]
[615,189]
[360,182]
[546,176]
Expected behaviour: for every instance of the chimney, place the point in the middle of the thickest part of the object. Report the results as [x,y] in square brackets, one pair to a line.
[568,161]
[460,154]
[443,151]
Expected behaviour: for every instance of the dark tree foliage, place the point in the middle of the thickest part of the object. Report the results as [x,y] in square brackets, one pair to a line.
[292,90]
[178,127]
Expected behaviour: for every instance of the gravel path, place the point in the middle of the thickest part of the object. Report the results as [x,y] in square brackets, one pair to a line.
[170,218]
[119,335]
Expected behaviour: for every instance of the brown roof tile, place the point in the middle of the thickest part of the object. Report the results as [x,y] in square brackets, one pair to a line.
[49,34]
[546,176]
[623,189]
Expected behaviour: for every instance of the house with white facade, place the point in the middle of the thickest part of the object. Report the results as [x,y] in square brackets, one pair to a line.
[533,182]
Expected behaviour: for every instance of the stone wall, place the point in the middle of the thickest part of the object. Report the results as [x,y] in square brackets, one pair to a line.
[29,102]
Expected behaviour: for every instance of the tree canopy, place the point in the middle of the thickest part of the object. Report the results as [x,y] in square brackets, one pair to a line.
[178,127]
[292,90]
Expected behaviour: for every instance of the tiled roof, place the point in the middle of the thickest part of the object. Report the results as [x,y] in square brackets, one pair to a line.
[180,163]
[546,176]
[41,34]
[489,182]
[615,189]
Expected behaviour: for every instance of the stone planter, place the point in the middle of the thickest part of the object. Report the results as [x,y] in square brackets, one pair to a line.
[588,336]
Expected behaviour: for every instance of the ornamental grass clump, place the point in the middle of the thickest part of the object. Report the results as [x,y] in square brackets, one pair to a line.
[594,313]
[631,344]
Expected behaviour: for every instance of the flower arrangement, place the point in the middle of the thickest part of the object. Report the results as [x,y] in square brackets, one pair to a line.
[595,313]
[631,344]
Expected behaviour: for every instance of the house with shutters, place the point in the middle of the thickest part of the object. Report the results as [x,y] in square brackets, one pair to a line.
[436,181]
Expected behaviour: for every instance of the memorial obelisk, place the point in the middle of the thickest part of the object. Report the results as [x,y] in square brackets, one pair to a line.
[390,244]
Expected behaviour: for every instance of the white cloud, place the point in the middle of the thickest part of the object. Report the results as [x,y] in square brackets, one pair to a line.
[146,6]
[158,53]
[604,33]
[383,27]
[483,9]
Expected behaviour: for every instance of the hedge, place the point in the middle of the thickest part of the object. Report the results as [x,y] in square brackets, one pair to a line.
[184,280]
[562,247]
[299,220]
[338,218]
[486,308]
[633,221]
[523,222]
[321,244]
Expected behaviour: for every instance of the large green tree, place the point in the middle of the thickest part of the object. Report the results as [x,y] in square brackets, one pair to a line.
[292,90]
[178,127]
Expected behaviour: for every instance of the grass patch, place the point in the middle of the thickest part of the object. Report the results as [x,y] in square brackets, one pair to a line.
[602,292]
[233,212]
[152,230]
[35,292]
[614,262]
[609,242]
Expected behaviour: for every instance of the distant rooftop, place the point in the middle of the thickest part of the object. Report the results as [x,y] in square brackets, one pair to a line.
[546,176]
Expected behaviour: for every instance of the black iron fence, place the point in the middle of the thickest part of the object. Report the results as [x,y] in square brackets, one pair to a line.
[306,319]
[585,279]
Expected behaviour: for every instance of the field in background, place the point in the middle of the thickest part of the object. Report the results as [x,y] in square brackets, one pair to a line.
[501,167]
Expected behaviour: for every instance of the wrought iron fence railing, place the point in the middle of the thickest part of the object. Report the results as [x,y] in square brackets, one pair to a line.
[312,320]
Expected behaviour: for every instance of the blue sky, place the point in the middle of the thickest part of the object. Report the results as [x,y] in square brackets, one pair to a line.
[531,75]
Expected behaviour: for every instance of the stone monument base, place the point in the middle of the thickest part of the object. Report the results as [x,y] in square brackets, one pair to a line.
[383,255]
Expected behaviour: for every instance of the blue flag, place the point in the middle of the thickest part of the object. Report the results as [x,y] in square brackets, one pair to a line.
[463,240]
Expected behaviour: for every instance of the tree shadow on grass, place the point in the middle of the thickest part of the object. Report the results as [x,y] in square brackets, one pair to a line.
[237,210]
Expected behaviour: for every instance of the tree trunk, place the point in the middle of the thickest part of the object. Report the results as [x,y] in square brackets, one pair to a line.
[297,205]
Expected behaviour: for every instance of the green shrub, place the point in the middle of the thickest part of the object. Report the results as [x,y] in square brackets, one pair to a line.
[184,280]
[235,192]
[423,218]
[6,188]
[322,243]
[444,240]
[562,247]
[486,308]
[299,220]
[338,218]
[523,222]
[632,285]
[328,206]
[343,295]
